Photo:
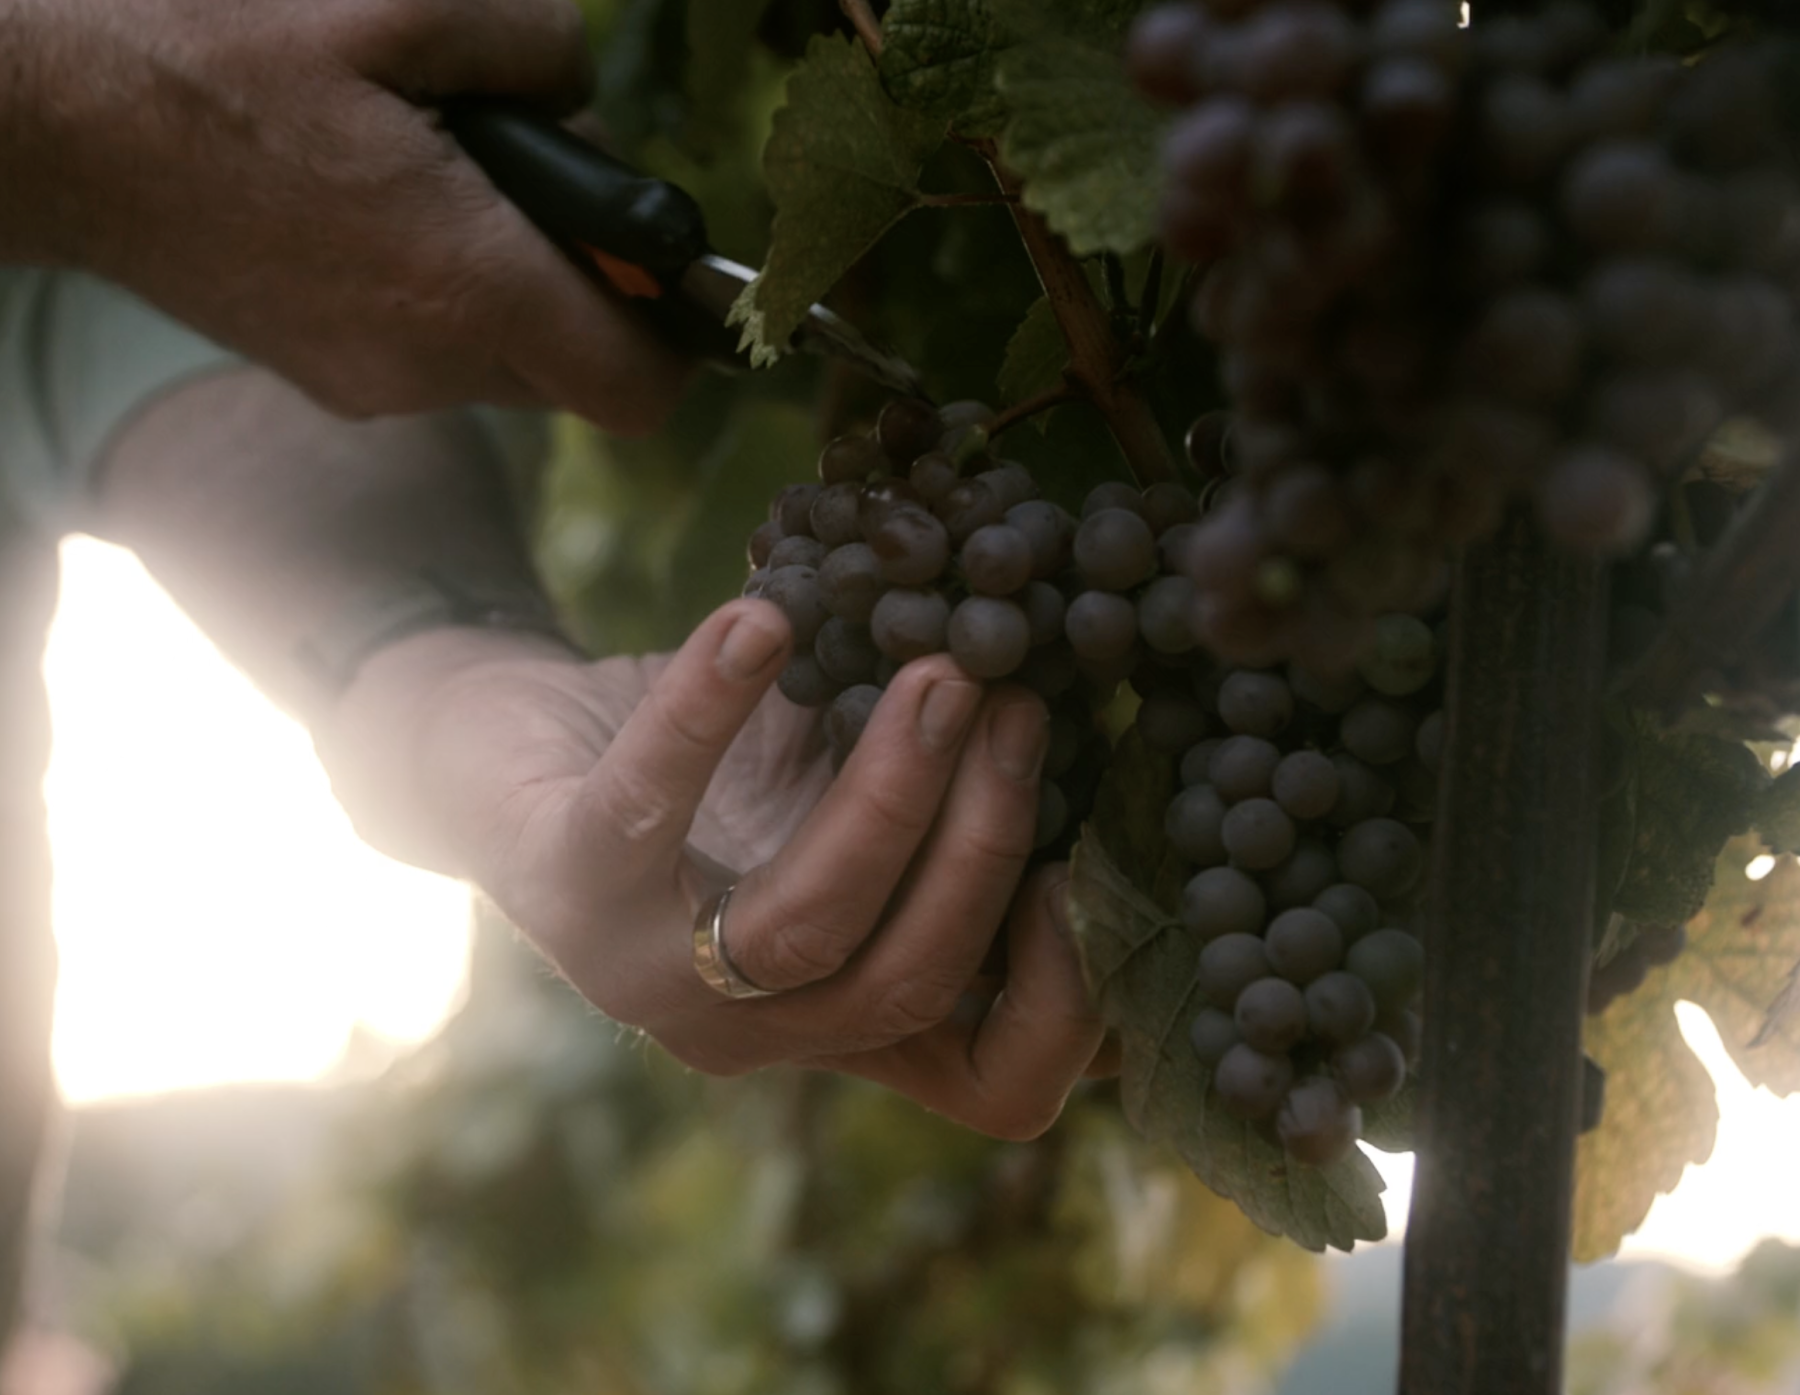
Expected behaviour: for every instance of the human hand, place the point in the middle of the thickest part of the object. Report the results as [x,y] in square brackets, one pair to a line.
[869,901]
[273,175]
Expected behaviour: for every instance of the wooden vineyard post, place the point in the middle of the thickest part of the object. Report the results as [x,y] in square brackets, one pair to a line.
[1487,1253]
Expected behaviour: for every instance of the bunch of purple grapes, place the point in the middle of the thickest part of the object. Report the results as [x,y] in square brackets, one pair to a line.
[1453,267]
[1300,818]
[916,540]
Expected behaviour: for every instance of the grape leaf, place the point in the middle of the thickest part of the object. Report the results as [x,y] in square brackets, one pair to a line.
[1660,1116]
[1085,143]
[1035,359]
[941,56]
[843,165]
[938,57]
[1691,793]
[1101,23]
[1140,967]
[1388,1125]
[1128,819]
[1743,949]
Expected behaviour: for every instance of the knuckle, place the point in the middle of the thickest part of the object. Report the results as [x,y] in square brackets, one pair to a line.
[796,952]
[636,808]
[900,811]
[699,727]
[1000,846]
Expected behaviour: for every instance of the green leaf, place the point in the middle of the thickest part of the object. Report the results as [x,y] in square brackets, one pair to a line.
[1140,966]
[1743,951]
[938,57]
[1692,794]
[1035,359]
[1085,143]
[1128,820]
[843,165]
[1100,23]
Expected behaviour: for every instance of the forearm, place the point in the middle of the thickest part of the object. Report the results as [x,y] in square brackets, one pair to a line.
[278,527]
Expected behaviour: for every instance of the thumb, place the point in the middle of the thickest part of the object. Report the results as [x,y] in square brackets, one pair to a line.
[640,801]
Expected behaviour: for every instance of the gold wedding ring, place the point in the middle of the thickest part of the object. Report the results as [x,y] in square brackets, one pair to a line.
[711,961]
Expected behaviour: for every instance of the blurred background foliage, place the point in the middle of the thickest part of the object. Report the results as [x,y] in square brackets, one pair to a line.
[536,1203]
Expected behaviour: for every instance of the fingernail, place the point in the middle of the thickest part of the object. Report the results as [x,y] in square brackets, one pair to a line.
[1019,737]
[948,709]
[749,646]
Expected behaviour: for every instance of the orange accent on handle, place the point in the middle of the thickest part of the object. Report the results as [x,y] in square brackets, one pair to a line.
[631,280]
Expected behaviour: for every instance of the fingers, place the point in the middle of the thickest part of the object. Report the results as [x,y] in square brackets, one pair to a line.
[799,918]
[500,294]
[577,346]
[1108,1061]
[639,802]
[427,50]
[955,897]
[1010,1073]
[905,814]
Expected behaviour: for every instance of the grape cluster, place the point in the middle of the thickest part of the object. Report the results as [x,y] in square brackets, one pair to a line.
[917,541]
[1300,819]
[1450,267]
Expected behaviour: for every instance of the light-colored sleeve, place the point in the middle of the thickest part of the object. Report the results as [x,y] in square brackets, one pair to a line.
[79,358]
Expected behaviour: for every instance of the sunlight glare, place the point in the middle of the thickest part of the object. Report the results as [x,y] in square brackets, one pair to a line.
[218,919]
[1743,1194]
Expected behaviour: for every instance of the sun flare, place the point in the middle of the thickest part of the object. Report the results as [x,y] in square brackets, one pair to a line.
[217,918]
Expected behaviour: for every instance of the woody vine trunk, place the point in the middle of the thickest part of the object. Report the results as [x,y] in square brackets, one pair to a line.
[1507,961]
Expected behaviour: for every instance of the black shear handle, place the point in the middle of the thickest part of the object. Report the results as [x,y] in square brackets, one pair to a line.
[637,233]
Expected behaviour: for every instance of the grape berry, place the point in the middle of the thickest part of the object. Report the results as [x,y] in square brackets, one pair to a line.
[1304,888]
[917,541]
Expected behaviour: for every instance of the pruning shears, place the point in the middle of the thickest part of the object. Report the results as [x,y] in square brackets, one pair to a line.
[645,237]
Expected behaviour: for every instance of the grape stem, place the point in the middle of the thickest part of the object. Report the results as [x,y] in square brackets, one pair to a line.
[1096,358]
[1048,400]
[868,28]
[1737,595]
